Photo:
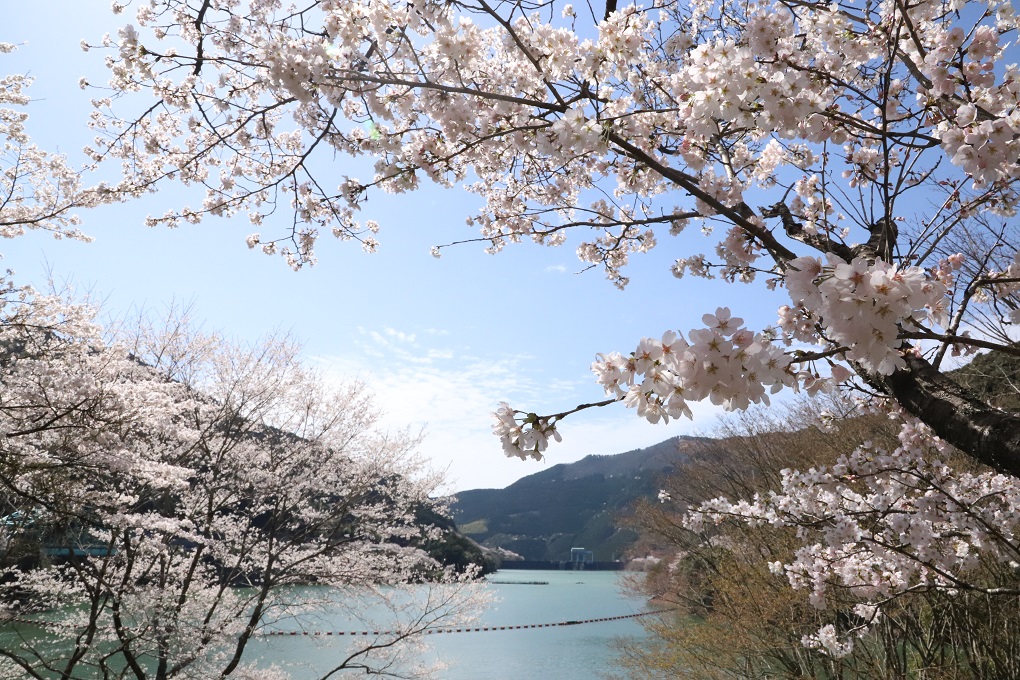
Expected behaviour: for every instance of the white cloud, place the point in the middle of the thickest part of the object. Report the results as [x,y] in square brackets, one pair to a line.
[452,393]
[400,335]
[556,268]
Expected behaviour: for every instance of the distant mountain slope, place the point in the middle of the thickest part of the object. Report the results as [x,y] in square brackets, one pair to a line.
[544,515]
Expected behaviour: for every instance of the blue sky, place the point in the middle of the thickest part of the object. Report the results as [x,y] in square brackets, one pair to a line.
[439,341]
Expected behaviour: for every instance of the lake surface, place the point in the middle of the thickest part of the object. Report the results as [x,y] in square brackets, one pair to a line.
[568,652]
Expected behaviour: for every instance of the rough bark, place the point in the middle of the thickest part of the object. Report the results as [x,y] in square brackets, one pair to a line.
[989,435]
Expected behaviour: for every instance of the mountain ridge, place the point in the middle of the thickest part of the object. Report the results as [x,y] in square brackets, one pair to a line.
[579,504]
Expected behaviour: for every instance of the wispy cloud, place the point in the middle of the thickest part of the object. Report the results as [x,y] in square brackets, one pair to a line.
[556,268]
[399,335]
[451,392]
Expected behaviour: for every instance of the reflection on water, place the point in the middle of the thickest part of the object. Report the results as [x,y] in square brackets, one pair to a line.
[562,652]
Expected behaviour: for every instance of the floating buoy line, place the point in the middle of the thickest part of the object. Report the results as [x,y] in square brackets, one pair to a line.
[380,633]
[464,629]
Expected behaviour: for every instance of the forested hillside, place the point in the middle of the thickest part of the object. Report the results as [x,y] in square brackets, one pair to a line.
[544,515]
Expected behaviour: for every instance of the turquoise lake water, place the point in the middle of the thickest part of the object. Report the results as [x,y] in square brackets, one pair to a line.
[571,652]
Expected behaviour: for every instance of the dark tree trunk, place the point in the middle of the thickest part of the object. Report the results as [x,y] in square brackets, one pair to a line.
[989,435]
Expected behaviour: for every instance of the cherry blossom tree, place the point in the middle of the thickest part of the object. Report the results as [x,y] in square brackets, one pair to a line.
[857,158]
[182,486]
[164,491]
[881,524]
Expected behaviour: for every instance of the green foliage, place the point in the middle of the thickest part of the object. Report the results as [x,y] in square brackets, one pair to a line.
[460,552]
[544,515]
[452,548]
[476,527]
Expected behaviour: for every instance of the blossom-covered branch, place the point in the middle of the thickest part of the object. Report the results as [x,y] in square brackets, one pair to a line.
[38,189]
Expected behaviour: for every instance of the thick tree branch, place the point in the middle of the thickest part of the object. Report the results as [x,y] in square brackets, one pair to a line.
[991,436]
[740,215]
[795,230]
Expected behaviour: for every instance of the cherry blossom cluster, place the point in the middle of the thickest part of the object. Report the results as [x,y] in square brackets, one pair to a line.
[860,306]
[811,205]
[526,439]
[946,269]
[40,190]
[879,524]
[985,149]
[724,363]
[978,109]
